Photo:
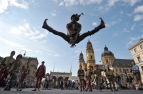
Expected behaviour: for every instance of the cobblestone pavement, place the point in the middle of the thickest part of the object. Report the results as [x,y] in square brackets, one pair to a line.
[58,91]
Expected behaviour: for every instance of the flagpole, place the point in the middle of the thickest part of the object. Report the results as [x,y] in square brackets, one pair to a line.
[71,68]
[54,67]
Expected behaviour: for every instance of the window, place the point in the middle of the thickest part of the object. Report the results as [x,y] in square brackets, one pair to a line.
[120,70]
[139,59]
[141,46]
[127,70]
[116,70]
[91,56]
[135,50]
[106,60]
[142,68]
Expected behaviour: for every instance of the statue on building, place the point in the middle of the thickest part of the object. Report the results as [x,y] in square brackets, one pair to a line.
[73,30]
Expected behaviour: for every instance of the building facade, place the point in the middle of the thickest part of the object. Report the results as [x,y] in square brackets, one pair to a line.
[119,66]
[90,58]
[57,76]
[137,54]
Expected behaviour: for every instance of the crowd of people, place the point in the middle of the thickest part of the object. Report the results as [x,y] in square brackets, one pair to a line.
[10,67]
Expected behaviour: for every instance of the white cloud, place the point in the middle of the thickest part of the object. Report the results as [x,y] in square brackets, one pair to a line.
[111,23]
[69,3]
[125,30]
[25,30]
[5,3]
[23,5]
[14,44]
[131,2]
[138,17]
[133,40]
[83,2]
[61,4]
[111,2]
[55,55]
[121,12]
[132,28]
[54,13]
[138,9]
[11,43]
[94,23]
[129,14]
[55,1]
[115,34]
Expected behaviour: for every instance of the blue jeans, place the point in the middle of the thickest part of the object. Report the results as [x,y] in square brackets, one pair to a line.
[119,84]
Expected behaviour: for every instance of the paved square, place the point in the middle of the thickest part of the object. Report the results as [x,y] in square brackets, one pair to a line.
[58,91]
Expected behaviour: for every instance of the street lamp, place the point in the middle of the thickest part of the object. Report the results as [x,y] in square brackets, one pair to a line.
[24,53]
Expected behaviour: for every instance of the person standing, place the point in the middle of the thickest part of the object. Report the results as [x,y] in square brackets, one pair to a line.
[39,74]
[14,69]
[110,77]
[81,78]
[61,84]
[90,72]
[24,71]
[136,72]
[5,66]
[98,76]
[118,81]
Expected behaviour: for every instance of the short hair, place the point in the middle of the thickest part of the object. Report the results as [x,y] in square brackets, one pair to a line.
[43,62]
[19,56]
[13,52]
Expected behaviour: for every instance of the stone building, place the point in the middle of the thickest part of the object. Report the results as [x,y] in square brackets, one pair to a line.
[107,57]
[119,66]
[137,54]
[1,58]
[57,76]
[90,58]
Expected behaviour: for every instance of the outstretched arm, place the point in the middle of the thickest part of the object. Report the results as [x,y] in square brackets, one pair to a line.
[89,33]
[64,36]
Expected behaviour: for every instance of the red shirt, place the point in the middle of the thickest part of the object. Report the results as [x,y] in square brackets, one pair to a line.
[41,70]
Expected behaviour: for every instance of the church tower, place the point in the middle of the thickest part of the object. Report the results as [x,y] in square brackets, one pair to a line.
[107,56]
[81,60]
[90,55]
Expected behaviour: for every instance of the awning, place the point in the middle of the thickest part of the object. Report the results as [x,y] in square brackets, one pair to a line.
[73,78]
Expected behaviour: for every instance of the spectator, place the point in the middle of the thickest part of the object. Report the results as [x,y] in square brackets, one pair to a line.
[136,72]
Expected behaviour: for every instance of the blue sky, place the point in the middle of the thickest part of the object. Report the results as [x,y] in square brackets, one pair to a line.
[21,29]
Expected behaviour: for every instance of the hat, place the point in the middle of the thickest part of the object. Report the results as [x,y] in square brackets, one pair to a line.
[76,16]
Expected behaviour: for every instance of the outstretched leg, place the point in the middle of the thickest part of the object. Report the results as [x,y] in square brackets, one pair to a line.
[47,27]
[89,33]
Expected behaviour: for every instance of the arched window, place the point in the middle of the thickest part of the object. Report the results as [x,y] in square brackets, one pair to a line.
[106,60]
[91,56]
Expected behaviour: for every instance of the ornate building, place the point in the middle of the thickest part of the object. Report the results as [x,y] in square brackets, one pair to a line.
[137,54]
[57,76]
[107,56]
[90,58]
[120,66]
